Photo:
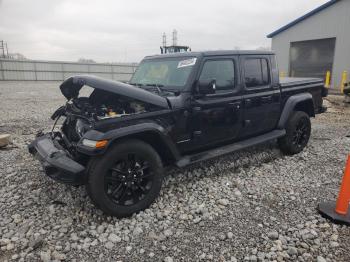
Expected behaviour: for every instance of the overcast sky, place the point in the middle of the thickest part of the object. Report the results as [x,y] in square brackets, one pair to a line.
[127,30]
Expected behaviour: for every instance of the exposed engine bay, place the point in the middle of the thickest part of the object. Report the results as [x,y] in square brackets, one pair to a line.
[109,100]
[82,112]
[103,105]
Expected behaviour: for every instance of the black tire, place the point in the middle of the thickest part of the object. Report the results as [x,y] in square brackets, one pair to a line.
[298,130]
[126,180]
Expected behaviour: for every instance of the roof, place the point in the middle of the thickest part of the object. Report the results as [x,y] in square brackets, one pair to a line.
[302,18]
[213,53]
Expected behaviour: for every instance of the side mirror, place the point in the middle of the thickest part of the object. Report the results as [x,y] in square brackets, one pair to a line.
[206,87]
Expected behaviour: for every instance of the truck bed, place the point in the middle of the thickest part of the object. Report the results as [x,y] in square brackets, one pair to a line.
[294,81]
[295,85]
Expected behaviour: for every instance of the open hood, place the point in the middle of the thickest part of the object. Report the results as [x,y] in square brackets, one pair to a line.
[70,89]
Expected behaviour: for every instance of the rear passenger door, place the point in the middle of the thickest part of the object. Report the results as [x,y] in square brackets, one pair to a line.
[261,99]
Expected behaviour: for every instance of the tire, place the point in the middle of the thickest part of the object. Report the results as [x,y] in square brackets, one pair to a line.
[126,180]
[298,130]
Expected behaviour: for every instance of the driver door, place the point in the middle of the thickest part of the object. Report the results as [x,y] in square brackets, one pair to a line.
[217,117]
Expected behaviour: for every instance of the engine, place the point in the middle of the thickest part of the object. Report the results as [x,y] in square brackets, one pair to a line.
[110,107]
[81,112]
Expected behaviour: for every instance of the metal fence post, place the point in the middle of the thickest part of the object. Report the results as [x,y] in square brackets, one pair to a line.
[62,72]
[2,70]
[36,76]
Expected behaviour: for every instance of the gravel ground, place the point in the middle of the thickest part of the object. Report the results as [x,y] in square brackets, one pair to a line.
[255,205]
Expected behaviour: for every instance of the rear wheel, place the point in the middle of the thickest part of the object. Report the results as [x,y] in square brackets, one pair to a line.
[127,179]
[298,132]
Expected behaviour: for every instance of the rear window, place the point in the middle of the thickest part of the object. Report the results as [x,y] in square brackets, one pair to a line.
[256,72]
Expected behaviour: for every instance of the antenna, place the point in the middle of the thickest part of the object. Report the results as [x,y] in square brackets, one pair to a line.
[174,37]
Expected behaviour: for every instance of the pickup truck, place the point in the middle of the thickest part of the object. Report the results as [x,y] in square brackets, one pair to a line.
[178,109]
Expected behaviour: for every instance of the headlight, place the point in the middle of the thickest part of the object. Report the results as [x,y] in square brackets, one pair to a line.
[94,144]
[81,127]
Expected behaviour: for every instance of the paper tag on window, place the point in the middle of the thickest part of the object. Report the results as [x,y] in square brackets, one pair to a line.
[187,62]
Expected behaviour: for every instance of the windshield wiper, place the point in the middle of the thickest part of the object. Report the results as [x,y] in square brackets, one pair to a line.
[158,86]
[136,84]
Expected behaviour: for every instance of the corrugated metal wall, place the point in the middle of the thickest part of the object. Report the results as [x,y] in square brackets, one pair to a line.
[333,22]
[56,70]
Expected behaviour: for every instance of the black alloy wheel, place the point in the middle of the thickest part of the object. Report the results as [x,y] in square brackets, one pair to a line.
[301,133]
[298,130]
[126,179]
[129,180]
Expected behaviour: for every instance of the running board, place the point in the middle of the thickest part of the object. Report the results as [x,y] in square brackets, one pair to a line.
[190,159]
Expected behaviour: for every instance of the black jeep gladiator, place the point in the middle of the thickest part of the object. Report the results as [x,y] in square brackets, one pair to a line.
[176,110]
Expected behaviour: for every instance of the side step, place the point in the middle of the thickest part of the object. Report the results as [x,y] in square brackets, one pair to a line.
[190,159]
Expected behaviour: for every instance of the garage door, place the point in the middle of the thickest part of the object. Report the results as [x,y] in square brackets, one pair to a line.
[311,58]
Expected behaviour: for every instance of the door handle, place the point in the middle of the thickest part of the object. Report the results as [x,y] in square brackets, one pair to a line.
[235,105]
[247,102]
[266,99]
[197,109]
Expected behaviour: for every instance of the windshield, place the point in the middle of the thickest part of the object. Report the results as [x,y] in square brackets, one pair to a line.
[172,72]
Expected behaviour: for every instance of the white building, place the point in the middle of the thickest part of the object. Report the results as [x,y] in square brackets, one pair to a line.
[316,42]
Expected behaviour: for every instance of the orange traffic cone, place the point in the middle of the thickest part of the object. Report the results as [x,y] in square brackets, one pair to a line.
[338,211]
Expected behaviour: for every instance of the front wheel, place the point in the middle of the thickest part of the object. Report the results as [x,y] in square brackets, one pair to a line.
[127,179]
[298,132]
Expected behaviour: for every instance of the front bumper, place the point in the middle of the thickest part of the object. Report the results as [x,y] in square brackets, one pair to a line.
[56,162]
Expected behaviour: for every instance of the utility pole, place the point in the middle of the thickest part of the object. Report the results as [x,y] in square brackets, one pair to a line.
[7,51]
[163,48]
[2,48]
[174,48]
[164,39]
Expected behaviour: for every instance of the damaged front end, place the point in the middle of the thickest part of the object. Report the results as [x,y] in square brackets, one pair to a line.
[59,151]
[57,162]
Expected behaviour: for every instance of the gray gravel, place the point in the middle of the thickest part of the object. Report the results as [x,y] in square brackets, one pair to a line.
[255,205]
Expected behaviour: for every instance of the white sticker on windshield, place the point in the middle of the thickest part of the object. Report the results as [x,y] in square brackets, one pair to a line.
[187,62]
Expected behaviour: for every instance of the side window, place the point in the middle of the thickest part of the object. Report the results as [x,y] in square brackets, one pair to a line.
[222,71]
[256,72]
